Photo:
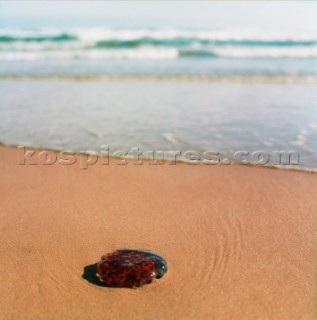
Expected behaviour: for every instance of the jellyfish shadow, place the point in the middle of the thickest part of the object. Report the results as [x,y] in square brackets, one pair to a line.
[90,275]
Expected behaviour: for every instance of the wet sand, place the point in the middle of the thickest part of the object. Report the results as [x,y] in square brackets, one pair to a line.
[240,242]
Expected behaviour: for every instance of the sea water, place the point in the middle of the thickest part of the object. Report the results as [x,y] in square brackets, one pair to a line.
[165,94]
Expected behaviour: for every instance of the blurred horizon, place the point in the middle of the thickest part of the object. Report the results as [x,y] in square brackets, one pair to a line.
[170,14]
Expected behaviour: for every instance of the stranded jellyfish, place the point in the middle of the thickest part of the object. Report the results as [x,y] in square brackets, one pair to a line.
[130,268]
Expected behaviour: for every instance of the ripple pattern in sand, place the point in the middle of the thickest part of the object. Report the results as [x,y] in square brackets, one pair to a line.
[211,255]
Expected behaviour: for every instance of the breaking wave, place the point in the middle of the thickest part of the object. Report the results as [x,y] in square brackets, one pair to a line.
[149,44]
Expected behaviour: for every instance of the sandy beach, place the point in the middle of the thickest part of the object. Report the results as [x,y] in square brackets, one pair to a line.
[240,241]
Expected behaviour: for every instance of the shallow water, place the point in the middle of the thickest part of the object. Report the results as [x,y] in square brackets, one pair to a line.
[161,115]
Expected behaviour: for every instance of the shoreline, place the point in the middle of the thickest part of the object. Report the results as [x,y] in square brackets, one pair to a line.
[253,78]
[148,160]
[240,242]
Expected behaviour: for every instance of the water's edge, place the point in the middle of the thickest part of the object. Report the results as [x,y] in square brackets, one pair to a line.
[177,77]
[182,161]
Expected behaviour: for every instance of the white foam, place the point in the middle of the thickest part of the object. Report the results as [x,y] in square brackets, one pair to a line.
[266,52]
[304,132]
[137,54]
[268,143]
[83,48]
[104,33]
[169,137]
[172,33]
[298,142]
[301,137]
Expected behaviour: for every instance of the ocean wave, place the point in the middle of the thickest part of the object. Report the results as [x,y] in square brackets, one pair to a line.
[118,43]
[39,38]
[197,53]
[149,44]
[181,42]
[168,42]
[159,53]
[159,36]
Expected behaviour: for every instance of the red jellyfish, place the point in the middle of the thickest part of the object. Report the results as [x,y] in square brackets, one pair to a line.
[130,268]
